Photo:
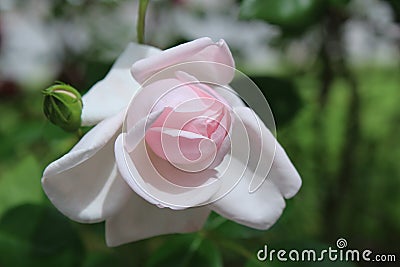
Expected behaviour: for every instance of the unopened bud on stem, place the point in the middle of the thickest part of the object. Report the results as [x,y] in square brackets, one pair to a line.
[63,106]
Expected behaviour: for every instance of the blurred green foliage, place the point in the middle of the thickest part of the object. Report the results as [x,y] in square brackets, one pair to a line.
[338,123]
[288,14]
[12,193]
[36,235]
[291,15]
[186,250]
[283,96]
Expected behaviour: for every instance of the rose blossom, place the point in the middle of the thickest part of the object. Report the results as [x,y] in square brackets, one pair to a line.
[162,157]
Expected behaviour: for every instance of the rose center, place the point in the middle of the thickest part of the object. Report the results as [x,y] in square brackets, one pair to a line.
[189,135]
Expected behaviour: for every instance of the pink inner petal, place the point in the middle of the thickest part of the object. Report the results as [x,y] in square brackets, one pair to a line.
[182,148]
[191,127]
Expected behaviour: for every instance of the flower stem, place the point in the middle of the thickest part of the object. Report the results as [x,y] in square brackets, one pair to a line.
[141,20]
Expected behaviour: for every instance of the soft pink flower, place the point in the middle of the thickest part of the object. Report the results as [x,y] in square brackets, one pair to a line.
[162,157]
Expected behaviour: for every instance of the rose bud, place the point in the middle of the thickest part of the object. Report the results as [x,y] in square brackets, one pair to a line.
[63,106]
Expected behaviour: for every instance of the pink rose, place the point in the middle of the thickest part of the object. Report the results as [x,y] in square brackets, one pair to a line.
[184,145]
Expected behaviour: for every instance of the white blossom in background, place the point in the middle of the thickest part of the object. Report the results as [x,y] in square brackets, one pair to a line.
[110,29]
[218,20]
[30,46]
[31,35]
[371,35]
[250,39]
[303,51]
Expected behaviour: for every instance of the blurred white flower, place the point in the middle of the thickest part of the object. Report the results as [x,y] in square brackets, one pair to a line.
[30,47]
[249,39]
[371,34]
[35,44]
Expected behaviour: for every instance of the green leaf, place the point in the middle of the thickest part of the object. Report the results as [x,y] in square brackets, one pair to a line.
[252,263]
[293,15]
[101,259]
[339,3]
[230,229]
[282,96]
[37,235]
[21,184]
[186,250]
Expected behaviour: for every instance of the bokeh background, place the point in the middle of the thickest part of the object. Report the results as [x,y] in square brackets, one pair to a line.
[330,70]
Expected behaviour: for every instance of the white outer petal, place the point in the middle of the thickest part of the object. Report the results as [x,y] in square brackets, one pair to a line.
[84,184]
[112,94]
[260,208]
[139,219]
[229,95]
[160,183]
[266,147]
[212,62]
